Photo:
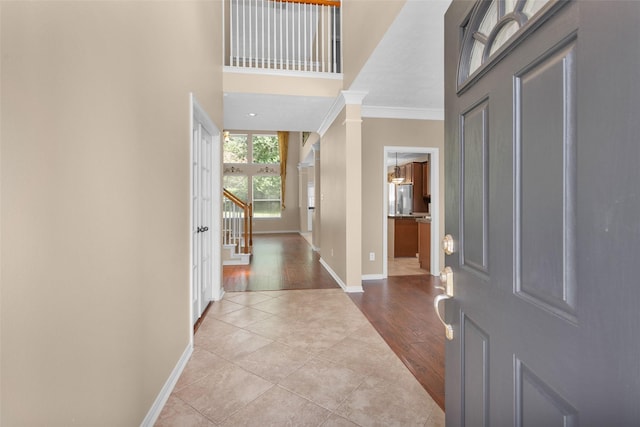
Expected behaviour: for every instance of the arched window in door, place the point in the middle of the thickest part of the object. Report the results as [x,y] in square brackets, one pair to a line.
[494,25]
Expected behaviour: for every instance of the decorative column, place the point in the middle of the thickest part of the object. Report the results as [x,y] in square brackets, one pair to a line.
[353,204]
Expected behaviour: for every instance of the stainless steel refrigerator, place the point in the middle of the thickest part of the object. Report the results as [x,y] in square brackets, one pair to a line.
[400,199]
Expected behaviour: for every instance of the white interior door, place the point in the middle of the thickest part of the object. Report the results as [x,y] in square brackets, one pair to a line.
[198,249]
[206,218]
[206,184]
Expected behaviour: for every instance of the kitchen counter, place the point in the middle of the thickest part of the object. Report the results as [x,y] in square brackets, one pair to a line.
[424,219]
[402,233]
[416,216]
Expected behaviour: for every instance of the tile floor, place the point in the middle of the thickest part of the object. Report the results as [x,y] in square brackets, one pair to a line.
[294,358]
[409,266]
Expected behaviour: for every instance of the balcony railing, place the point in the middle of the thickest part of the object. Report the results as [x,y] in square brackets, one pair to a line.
[294,35]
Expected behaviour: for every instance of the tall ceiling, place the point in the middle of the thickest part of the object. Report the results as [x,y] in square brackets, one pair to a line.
[404,77]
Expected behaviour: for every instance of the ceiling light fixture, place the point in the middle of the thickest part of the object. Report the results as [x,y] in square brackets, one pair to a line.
[252,114]
[397,179]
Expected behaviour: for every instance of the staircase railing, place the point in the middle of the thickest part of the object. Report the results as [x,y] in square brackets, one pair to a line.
[237,222]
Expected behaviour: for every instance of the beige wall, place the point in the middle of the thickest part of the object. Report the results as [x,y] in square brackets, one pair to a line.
[377,133]
[333,197]
[95,202]
[341,197]
[364,22]
[272,84]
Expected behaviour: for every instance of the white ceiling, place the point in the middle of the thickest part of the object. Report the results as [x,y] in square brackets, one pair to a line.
[405,157]
[404,75]
[274,112]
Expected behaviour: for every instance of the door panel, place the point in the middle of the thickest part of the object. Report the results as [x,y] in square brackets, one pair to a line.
[202,220]
[196,215]
[474,243]
[475,370]
[206,220]
[544,105]
[537,404]
[541,153]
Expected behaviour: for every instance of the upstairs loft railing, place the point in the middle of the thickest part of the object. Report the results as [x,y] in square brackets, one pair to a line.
[293,35]
[237,222]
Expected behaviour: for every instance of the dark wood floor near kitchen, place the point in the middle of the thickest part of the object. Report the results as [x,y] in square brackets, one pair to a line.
[400,308]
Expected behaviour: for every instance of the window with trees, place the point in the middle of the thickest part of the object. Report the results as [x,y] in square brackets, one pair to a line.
[252,168]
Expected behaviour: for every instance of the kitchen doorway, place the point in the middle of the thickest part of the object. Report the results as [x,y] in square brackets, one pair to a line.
[409,196]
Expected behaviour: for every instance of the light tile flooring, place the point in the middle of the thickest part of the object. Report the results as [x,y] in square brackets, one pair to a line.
[409,266]
[294,358]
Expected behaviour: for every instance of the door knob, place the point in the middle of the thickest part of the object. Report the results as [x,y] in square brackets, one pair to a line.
[446,277]
[448,329]
[448,245]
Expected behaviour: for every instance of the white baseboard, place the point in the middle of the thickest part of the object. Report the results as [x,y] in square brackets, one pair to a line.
[373,276]
[218,294]
[163,396]
[276,232]
[238,259]
[333,274]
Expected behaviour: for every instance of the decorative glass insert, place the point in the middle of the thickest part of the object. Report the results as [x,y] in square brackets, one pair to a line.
[492,25]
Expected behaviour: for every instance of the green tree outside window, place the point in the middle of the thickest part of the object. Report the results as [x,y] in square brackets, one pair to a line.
[266,196]
[235,149]
[265,149]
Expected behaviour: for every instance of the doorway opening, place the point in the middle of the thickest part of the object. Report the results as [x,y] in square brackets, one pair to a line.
[398,205]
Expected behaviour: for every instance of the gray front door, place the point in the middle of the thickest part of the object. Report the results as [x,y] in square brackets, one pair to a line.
[543,203]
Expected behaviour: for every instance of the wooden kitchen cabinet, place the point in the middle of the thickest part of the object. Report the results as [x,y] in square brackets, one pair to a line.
[419,203]
[426,191]
[424,245]
[405,237]
[408,173]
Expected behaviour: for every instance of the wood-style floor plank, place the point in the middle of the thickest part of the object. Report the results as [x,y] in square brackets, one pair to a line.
[400,308]
[279,262]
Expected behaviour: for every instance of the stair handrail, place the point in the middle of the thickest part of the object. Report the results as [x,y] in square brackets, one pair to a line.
[334,3]
[248,218]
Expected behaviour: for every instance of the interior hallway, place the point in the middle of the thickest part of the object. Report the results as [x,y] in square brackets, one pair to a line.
[294,357]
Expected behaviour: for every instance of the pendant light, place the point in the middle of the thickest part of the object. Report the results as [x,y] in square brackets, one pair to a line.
[397,179]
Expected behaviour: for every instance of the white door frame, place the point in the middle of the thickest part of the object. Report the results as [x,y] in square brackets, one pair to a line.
[434,183]
[197,114]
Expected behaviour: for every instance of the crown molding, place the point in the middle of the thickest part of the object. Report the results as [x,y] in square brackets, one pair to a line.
[346,97]
[352,97]
[380,112]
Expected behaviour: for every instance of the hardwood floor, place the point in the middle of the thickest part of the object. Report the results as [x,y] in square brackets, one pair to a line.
[279,262]
[400,308]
